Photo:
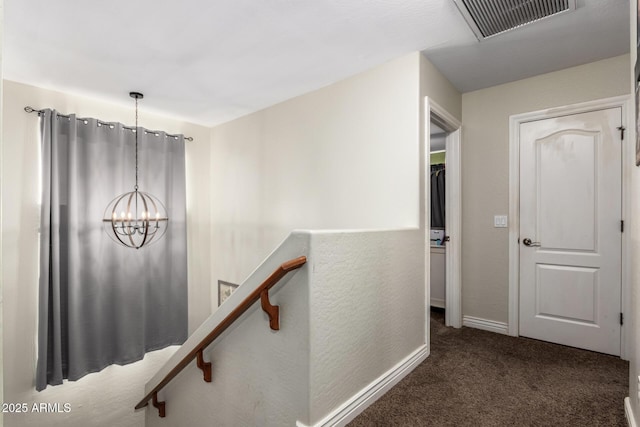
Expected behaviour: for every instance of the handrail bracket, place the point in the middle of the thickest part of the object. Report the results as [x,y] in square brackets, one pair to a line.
[204,366]
[273,311]
[160,406]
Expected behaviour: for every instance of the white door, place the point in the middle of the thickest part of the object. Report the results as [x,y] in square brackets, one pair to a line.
[570,230]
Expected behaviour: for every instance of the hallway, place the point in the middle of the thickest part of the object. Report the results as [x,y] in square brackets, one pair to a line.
[479,378]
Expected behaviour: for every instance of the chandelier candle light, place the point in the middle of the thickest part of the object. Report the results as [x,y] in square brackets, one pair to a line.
[135,219]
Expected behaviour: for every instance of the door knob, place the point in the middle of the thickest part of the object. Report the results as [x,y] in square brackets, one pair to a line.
[528,242]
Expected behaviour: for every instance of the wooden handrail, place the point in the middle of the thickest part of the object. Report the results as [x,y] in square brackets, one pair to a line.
[261,293]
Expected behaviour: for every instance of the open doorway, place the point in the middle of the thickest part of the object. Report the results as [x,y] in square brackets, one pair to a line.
[446,234]
[438,237]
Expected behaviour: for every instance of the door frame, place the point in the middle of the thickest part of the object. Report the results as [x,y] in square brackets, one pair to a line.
[453,298]
[628,162]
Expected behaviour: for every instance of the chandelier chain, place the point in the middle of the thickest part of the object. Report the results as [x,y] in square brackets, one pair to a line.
[136,186]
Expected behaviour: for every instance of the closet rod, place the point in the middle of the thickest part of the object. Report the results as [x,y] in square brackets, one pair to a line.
[29,109]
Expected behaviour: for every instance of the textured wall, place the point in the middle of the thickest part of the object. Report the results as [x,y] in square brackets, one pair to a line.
[104,398]
[367,310]
[343,325]
[485,169]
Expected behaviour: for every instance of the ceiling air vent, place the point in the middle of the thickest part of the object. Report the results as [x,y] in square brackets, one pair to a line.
[490,17]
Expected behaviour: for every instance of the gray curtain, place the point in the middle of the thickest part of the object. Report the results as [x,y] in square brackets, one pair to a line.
[101,303]
[438,196]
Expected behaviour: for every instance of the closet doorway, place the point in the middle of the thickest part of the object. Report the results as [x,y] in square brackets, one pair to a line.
[442,211]
[438,232]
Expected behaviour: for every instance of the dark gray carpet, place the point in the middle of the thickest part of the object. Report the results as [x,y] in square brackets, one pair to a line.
[479,378]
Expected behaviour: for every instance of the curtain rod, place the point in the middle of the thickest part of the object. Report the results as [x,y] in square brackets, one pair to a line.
[29,109]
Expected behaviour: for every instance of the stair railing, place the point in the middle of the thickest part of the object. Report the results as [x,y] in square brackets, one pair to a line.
[273,311]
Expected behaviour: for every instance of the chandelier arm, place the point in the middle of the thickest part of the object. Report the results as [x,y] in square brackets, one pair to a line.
[129,231]
[152,236]
[146,229]
[117,235]
[155,208]
[114,222]
[145,226]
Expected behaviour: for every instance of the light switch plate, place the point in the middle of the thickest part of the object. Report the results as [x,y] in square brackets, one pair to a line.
[500,221]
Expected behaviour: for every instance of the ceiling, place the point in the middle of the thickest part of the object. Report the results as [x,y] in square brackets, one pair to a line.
[208,61]
[597,29]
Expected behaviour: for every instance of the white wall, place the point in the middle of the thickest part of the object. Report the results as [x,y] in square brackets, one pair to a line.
[485,169]
[97,399]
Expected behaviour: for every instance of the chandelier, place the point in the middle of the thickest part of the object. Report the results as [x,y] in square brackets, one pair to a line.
[135,219]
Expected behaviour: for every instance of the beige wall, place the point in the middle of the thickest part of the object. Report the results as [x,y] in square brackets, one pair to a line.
[348,155]
[102,398]
[345,156]
[485,168]
[434,85]
[439,90]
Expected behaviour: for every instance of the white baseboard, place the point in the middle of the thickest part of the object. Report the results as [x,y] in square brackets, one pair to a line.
[365,397]
[437,302]
[629,413]
[486,325]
